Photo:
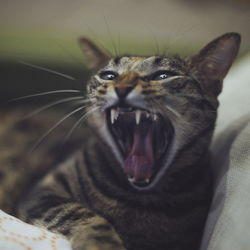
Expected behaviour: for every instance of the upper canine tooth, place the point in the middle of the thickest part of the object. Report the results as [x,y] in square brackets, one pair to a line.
[147,115]
[116,114]
[112,115]
[154,117]
[137,116]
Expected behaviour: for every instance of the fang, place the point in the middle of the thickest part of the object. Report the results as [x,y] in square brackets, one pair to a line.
[131,179]
[113,115]
[137,116]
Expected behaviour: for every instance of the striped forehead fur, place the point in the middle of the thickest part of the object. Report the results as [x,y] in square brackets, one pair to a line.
[146,64]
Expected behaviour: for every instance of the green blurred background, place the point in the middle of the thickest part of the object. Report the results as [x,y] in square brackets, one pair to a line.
[45,33]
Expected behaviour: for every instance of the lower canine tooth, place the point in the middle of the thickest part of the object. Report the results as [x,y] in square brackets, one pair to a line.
[131,179]
[147,180]
[137,116]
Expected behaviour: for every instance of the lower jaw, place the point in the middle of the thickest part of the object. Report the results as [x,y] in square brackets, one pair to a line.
[146,184]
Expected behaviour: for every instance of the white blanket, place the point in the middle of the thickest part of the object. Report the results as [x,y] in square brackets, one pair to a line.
[17,235]
[229,218]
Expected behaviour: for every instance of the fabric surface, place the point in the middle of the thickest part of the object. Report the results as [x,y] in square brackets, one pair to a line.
[235,96]
[229,218]
[17,235]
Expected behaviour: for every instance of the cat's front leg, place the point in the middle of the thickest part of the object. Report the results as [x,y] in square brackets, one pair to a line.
[54,209]
[97,234]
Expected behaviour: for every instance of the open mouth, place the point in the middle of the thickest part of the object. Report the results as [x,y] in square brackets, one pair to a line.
[143,138]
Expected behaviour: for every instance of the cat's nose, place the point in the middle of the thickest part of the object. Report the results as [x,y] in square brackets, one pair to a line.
[122,90]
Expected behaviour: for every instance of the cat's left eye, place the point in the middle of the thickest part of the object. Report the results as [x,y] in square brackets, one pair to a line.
[160,75]
[108,75]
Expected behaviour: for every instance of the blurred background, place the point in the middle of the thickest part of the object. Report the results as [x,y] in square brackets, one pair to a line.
[45,33]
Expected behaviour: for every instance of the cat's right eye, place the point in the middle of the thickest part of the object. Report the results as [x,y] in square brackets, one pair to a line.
[108,75]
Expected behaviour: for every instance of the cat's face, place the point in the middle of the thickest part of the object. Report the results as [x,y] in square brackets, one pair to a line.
[151,108]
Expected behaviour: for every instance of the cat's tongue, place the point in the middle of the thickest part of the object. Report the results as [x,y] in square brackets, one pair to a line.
[140,161]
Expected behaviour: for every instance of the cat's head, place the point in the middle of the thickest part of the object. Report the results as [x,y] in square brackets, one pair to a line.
[155,111]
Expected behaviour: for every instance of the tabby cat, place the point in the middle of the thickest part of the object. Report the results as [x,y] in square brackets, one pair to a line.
[136,176]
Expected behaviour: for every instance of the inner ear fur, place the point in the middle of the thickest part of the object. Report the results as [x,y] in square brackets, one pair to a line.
[212,63]
[96,58]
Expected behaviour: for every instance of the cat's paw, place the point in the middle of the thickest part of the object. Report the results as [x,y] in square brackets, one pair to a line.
[96,242]
[97,245]
[102,239]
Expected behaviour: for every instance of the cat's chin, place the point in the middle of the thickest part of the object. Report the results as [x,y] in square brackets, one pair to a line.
[143,138]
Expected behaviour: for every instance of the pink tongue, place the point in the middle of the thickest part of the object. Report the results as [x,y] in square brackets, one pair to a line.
[140,161]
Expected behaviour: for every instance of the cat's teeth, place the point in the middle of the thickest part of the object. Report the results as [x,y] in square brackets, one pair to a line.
[137,116]
[112,115]
[116,114]
[154,117]
[147,115]
[131,179]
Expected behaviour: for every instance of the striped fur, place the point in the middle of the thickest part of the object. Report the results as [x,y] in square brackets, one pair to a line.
[79,189]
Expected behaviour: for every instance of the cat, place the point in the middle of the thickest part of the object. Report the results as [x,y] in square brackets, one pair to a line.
[137,175]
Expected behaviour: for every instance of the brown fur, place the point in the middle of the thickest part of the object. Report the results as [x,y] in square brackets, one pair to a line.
[79,189]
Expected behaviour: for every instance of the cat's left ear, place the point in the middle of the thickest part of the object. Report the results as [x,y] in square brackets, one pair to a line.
[96,58]
[212,63]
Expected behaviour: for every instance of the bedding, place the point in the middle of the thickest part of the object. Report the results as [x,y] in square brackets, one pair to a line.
[17,235]
[228,222]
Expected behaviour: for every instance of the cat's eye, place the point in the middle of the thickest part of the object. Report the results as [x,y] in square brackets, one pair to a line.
[108,75]
[160,75]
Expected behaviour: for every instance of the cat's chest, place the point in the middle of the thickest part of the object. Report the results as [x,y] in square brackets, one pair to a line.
[145,228]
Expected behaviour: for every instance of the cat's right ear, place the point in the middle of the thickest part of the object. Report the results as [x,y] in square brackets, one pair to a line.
[96,58]
[212,63]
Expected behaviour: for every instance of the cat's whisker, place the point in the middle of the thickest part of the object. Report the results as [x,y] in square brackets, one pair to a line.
[48,70]
[111,38]
[176,113]
[90,30]
[44,94]
[119,44]
[177,116]
[51,105]
[157,47]
[79,63]
[79,123]
[89,100]
[54,127]
[167,107]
